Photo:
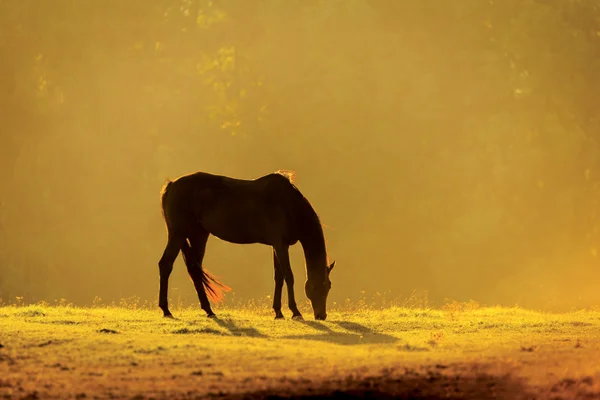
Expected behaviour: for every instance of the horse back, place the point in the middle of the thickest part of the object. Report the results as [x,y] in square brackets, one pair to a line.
[262,210]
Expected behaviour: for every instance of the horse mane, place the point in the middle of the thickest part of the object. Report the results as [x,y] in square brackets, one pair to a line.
[313,242]
[305,204]
[289,174]
[312,236]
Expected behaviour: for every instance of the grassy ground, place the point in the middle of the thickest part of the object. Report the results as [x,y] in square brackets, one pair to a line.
[457,352]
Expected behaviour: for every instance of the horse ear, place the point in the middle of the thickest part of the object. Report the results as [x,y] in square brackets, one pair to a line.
[330,267]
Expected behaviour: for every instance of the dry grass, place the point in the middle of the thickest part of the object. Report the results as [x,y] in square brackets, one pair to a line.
[460,351]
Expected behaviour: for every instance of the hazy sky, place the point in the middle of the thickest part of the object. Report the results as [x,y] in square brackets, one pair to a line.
[440,143]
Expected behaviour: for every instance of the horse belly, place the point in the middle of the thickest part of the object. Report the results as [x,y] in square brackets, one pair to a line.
[238,230]
[241,217]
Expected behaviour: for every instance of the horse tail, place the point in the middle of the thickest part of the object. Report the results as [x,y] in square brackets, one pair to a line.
[163,196]
[213,288]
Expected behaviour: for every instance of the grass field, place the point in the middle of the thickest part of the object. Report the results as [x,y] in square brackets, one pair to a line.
[460,351]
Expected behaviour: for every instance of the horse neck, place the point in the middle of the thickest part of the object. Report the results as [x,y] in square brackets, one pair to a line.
[313,244]
[310,235]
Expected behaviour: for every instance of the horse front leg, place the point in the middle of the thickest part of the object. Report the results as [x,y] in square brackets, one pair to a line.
[284,262]
[165,267]
[278,287]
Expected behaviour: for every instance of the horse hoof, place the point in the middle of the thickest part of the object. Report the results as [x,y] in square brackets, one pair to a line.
[298,318]
[214,316]
[169,316]
[279,317]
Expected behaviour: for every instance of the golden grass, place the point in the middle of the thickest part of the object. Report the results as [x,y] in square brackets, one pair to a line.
[460,351]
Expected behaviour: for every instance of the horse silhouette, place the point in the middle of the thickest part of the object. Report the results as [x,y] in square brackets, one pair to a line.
[269,210]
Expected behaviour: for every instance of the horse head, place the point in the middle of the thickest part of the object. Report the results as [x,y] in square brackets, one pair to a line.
[317,290]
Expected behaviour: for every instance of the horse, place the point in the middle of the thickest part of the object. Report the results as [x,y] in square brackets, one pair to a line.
[269,210]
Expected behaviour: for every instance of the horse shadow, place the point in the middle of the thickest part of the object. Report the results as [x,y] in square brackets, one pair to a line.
[236,330]
[353,334]
[356,334]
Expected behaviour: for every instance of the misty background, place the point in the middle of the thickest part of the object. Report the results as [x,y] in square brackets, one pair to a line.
[448,147]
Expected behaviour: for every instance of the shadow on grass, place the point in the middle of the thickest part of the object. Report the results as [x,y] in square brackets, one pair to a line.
[355,334]
[427,384]
[359,334]
[237,330]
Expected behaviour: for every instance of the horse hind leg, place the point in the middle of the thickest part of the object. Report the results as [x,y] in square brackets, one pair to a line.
[193,254]
[165,267]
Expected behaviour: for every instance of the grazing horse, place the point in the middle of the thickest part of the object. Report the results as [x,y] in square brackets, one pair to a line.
[269,210]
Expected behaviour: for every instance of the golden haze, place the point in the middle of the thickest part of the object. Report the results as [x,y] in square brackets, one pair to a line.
[448,146]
